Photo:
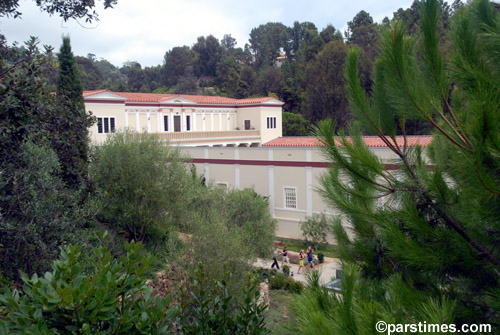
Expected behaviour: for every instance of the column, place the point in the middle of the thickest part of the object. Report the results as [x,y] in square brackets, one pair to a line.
[271,181]
[206,170]
[237,169]
[309,183]
[137,126]
[148,121]
[158,121]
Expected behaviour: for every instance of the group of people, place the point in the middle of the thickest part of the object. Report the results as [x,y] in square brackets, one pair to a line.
[302,257]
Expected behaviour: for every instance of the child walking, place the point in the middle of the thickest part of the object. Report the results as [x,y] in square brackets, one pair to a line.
[301,261]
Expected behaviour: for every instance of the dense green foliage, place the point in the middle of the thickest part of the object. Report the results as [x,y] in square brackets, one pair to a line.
[316,229]
[229,229]
[295,125]
[207,308]
[112,298]
[69,129]
[38,211]
[426,234]
[354,311]
[141,186]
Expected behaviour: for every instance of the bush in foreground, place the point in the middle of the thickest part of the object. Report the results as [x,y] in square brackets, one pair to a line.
[112,299]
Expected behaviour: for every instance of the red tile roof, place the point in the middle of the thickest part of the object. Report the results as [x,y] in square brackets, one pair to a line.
[371,141]
[199,99]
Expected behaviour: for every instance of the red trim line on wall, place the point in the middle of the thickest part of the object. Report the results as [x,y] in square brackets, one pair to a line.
[259,162]
[276,163]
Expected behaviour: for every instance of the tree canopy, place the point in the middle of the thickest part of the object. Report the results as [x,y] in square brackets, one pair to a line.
[66,9]
[427,231]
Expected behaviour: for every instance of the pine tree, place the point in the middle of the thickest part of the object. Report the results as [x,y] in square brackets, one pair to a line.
[426,235]
[69,128]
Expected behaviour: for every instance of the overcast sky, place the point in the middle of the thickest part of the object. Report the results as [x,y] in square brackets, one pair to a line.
[143,30]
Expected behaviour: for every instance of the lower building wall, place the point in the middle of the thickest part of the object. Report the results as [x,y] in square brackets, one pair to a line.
[288,177]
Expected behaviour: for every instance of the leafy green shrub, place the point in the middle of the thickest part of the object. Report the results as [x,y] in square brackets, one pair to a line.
[293,286]
[264,273]
[210,309]
[112,299]
[228,227]
[286,270]
[142,186]
[38,212]
[316,229]
[277,282]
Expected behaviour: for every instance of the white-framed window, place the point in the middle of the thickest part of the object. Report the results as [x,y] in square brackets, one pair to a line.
[290,197]
[105,125]
[165,122]
[271,122]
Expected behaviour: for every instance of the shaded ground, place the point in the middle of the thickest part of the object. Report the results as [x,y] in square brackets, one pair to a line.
[279,316]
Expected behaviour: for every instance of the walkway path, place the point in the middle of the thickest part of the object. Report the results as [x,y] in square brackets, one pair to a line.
[327,269]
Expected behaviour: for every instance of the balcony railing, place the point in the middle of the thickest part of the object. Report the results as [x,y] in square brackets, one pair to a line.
[209,135]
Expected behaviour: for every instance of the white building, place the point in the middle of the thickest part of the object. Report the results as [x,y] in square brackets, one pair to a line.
[187,120]
[236,143]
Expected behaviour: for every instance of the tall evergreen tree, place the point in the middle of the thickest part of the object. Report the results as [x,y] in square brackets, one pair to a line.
[425,239]
[69,128]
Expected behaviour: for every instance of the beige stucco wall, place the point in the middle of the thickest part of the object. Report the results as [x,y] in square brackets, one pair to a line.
[105,110]
[270,134]
[250,113]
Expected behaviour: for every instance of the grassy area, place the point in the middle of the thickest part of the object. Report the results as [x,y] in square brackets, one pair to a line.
[279,316]
[328,250]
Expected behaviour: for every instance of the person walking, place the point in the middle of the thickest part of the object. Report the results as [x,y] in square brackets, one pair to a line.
[301,261]
[310,257]
[284,255]
[275,259]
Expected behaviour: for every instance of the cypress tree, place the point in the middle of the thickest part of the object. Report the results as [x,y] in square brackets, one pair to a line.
[426,236]
[69,127]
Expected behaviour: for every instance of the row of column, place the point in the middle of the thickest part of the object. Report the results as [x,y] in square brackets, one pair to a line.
[224,118]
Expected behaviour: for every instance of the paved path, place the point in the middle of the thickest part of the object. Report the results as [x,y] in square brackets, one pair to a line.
[327,269]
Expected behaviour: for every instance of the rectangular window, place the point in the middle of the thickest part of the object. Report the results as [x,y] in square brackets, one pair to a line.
[105,125]
[165,122]
[290,194]
[188,122]
[271,123]
[99,125]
